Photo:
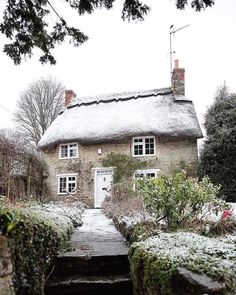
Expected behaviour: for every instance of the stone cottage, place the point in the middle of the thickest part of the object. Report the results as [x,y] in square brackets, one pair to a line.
[158,124]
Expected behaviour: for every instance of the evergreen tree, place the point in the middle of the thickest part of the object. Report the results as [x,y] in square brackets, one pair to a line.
[25,23]
[218,156]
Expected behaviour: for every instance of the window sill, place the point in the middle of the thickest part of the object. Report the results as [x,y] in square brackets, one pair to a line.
[136,156]
[63,194]
[68,158]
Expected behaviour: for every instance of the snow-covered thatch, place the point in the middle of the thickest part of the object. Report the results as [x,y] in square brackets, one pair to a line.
[116,116]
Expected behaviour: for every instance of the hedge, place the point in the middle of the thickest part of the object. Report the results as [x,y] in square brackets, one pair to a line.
[155,260]
[36,235]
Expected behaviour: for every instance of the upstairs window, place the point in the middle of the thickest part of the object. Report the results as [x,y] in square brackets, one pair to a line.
[144,146]
[67,184]
[68,151]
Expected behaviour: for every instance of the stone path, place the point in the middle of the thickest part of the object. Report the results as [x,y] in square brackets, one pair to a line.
[97,237]
[97,263]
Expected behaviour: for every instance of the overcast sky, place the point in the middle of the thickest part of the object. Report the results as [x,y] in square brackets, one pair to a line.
[122,56]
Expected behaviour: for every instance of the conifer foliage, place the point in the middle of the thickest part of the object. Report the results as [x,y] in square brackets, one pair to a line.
[218,156]
[26,23]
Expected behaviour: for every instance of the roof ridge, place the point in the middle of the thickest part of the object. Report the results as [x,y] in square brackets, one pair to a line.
[122,96]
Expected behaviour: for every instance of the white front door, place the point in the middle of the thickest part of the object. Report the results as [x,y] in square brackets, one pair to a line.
[103,181]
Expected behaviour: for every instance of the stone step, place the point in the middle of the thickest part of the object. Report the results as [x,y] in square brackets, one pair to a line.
[108,285]
[96,265]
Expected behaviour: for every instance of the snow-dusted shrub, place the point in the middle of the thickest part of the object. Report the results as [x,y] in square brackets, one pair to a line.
[155,260]
[36,234]
[127,210]
[179,199]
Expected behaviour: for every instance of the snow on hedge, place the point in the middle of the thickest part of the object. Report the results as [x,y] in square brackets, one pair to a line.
[64,217]
[215,257]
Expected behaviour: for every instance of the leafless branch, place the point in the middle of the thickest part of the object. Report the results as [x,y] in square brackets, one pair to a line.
[37,107]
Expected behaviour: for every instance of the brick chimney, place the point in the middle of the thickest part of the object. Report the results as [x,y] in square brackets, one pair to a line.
[69,95]
[178,79]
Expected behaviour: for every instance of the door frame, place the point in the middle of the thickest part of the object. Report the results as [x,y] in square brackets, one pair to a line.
[95,173]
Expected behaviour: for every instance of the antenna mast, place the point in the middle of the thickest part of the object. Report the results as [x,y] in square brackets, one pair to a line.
[172,32]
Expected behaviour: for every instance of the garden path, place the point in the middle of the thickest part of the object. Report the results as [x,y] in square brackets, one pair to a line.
[97,263]
[97,236]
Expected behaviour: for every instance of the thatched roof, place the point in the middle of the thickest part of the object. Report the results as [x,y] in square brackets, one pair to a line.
[116,116]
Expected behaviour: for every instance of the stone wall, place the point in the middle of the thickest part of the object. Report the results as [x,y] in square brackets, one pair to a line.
[6,268]
[169,156]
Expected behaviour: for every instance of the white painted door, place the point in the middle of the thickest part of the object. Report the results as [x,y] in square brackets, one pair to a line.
[102,185]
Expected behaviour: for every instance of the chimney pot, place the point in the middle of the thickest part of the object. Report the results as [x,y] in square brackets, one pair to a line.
[69,95]
[176,63]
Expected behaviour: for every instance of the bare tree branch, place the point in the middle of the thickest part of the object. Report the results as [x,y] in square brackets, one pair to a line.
[37,107]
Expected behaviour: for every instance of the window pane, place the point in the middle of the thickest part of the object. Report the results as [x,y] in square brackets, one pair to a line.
[138,140]
[71,178]
[139,175]
[150,175]
[64,151]
[71,184]
[138,149]
[73,150]
[62,185]
[149,146]
[71,187]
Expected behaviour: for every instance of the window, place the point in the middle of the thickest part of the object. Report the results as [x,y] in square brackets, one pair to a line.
[67,184]
[147,173]
[143,146]
[69,150]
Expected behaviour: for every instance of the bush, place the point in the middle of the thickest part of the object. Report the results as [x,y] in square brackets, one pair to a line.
[155,260]
[36,235]
[179,199]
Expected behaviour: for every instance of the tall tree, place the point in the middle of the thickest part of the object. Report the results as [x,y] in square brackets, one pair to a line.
[25,23]
[37,107]
[218,156]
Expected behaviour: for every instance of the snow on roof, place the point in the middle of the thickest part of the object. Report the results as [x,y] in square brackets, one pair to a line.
[116,116]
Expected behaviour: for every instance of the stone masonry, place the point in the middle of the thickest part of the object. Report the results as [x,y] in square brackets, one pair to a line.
[170,153]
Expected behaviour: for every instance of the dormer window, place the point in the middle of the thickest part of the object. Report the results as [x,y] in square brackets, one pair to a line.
[144,146]
[68,150]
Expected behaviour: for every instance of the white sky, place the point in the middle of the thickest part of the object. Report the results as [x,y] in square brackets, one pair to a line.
[122,56]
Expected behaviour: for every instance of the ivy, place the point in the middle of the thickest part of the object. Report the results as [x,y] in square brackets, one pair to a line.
[124,165]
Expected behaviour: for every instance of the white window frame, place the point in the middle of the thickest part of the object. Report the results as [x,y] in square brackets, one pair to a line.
[69,148]
[147,171]
[143,144]
[59,176]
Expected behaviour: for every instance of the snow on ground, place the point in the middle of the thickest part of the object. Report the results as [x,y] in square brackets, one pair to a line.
[97,223]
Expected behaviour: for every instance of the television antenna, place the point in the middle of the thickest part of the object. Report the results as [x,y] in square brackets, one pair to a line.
[172,32]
